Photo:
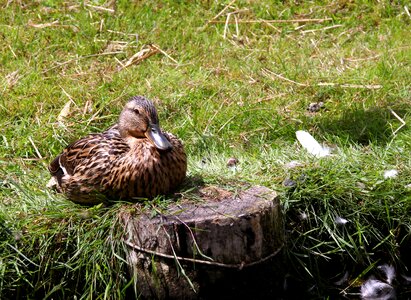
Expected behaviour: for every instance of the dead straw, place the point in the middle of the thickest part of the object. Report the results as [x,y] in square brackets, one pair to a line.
[270,74]
[272,21]
[100,8]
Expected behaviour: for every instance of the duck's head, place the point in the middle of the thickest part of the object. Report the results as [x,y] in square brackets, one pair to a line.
[139,119]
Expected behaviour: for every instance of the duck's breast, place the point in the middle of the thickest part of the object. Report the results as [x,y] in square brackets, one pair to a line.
[146,171]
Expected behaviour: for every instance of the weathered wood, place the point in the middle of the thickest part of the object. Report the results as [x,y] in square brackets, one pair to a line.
[226,240]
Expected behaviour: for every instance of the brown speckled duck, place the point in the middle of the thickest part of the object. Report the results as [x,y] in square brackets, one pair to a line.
[131,159]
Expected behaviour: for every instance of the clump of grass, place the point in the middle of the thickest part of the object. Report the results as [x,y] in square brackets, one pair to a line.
[52,248]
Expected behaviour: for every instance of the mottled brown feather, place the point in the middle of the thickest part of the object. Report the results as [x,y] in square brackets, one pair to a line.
[110,166]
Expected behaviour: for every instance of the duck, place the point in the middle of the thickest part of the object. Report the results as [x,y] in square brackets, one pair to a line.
[132,159]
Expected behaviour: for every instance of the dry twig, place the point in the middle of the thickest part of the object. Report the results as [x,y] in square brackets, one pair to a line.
[100,8]
[64,113]
[12,78]
[35,148]
[66,110]
[144,53]
[274,21]
[403,123]
[349,85]
[164,53]
[322,29]
[55,23]
[407,11]
[221,12]
[226,26]
[44,25]
[362,59]
[272,75]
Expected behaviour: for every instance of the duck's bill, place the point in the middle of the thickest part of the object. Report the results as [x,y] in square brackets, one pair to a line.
[158,138]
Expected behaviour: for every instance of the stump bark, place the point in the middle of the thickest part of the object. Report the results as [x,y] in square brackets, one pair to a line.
[223,245]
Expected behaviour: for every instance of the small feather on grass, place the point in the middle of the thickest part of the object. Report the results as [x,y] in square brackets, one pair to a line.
[293,164]
[65,112]
[340,221]
[388,271]
[390,174]
[373,289]
[311,145]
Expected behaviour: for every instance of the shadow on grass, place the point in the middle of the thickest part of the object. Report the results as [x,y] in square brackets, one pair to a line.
[365,126]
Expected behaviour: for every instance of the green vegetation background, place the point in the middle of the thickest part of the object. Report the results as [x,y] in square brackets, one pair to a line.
[227,88]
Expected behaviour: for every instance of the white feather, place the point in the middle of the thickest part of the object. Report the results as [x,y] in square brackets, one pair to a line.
[390,174]
[389,272]
[52,183]
[63,168]
[374,289]
[340,221]
[311,145]
[293,164]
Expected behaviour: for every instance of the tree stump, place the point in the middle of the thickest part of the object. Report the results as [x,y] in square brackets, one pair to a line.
[225,244]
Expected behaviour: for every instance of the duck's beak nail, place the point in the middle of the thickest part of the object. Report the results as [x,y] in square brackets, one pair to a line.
[157,137]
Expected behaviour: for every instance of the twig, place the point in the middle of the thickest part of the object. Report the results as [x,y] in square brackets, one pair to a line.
[226,26]
[119,62]
[12,51]
[100,8]
[80,58]
[100,29]
[269,73]
[12,79]
[93,117]
[67,94]
[44,25]
[164,53]
[353,86]
[222,11]
[362,59]
[272,26]
[141,55]
[87,107]
[407,11]
[122,33]
[204,262]
[237,30]
[275,21]
[403,123]
[238,11]
[35,148]
[322,29]
[52,24]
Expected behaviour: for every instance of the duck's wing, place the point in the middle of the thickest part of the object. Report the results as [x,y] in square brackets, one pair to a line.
[73,155]
[83,150]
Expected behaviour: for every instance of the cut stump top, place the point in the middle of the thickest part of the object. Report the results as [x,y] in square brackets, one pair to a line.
[209,240]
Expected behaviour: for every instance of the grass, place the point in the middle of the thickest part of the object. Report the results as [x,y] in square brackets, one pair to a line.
[224,99]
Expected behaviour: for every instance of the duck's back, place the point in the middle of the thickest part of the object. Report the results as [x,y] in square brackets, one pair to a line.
[104,166]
